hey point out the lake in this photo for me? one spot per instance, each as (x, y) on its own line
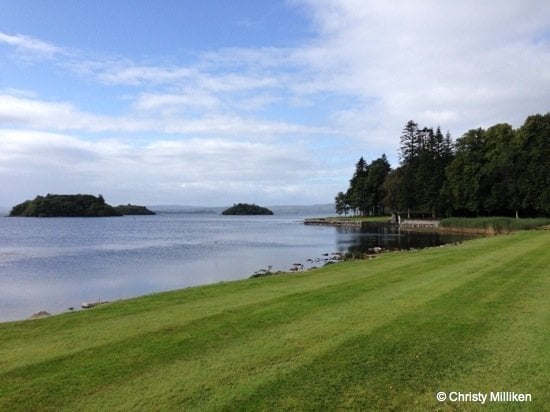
(54, 264)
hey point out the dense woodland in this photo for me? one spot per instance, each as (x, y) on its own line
(498, 171)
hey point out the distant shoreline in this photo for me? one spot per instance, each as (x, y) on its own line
(479, 225)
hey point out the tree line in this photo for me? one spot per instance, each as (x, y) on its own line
(497, 171)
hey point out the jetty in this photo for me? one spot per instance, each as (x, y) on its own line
(419, 224)
(333, 221)
(406, 224)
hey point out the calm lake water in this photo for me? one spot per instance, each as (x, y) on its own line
(54, 264)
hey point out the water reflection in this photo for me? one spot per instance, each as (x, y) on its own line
(390, 237)
(54, 264)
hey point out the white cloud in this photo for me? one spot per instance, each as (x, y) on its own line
(59, 116)
(173, 101)
(227, 116)
(235, 82)
(27, 44)
(63, 116)
(21, 110)
(127, 73)
(457, 64)
(215, 170)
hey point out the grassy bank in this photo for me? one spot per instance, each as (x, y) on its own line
(492, 225)
(380, 334)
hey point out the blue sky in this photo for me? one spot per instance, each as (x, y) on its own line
(216, 102)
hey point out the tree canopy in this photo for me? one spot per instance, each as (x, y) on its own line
(366, 191)
(65, 206)
(498, 171)
(246, 209)
(133, 210)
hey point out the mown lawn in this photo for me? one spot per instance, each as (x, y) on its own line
(388, 333)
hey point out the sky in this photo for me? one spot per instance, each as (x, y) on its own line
(216, 102)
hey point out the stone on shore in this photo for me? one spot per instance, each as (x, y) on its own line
(41, 314)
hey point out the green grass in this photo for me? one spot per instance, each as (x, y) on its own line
(494, 224)
(384, 334)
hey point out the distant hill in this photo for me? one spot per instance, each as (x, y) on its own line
(65, 206)
(303, 210)
(247, 209)
(185, 209)
(306, 210)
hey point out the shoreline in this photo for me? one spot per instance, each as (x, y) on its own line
(360, 222)
(326, 259)
(301, 339)
(420, 225)
(303, 265)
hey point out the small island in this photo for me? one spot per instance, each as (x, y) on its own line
(74, 206)
(65, 206)
(247, 209)
(134, 210)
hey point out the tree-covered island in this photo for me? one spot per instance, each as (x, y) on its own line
(73, 206)
(134, 210)
(247, 209)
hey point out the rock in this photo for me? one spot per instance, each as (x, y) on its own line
(89, 305)
(41, 314)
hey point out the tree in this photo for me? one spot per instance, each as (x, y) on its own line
(487, 172)
(341, 203)
(500, 171)
(392, 188)
(464, 174)
(424, 170)
(374, 185)
(534, 162)
(410, 143)
(355, 194)
(366, 192)
(424, 156)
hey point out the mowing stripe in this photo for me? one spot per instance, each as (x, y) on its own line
(385, 333)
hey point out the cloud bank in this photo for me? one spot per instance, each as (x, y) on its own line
(273, 124)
